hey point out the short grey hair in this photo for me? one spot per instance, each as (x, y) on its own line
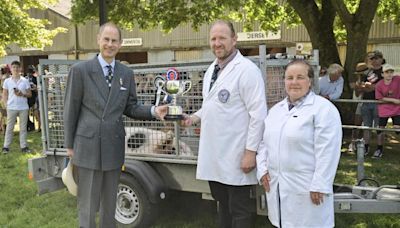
(112, 25)
(335, 68)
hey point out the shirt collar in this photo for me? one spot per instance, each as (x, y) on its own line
(223, 64)
(299, 102)
(103, 63)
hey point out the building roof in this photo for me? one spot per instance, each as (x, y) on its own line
(63, 7)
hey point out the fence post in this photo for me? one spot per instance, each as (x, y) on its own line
(360, 159)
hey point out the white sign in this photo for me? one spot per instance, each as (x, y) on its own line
(303, 48)
(32, 49)
(260, 35)
(132, 42)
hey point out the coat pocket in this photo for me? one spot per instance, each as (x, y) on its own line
(85, 132)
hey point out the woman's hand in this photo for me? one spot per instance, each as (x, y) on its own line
(265, 181)
(317, 197)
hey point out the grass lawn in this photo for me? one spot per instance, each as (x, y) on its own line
(21, 207)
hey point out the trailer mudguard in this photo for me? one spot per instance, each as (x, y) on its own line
(148, 178)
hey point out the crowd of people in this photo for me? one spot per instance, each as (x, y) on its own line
(18, 97)
(375, 80)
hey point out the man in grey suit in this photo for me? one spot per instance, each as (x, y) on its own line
(98, 92)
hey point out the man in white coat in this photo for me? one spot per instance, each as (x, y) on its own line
(299, 154)
(232, 123)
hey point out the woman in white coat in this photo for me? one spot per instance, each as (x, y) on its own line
(299, 155)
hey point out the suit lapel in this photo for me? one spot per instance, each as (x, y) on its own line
(97, 76)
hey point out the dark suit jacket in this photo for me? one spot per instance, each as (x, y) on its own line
(93, 124)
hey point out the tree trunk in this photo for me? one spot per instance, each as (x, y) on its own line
(319, 25)
(357, 41)
(357, 26)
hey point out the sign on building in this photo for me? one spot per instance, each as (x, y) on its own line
(132, 42)
(259, 35)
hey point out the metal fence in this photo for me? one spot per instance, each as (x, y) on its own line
(148, 139)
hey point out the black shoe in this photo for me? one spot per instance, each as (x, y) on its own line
(26, 150)
(378, 154)
(5, 150)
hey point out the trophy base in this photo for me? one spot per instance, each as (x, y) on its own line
(173, 117)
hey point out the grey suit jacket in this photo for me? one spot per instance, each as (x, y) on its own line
(93, 124)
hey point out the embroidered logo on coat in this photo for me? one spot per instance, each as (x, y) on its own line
(223, 95)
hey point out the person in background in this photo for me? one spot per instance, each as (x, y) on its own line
(388, 90)
(16, 90)
(322, 71)
(4, 74)
(369, 111)
(331, 85)
(232, 121)
(298, 157)
(32, 101)
(355, 133)
(99, 91)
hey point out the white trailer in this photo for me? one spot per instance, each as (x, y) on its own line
(161, 156)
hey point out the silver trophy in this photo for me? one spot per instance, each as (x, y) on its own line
(172, 88)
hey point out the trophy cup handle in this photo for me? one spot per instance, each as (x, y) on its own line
(159, 83)
(188, 84)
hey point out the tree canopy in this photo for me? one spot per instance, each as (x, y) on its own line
(327, 21)
(16, 25)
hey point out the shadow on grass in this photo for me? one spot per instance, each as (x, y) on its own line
(20, 206)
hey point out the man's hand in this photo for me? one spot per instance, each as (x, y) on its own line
(70, 152)
(317, 197)
(161, 111)
(265, 181)
(18, 93)
(33, 87)
(186, 121)
(248, 162)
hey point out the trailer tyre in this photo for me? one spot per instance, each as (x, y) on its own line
(133, 206)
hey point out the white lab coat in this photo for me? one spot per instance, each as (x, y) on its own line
(301, 151)
(228, 128)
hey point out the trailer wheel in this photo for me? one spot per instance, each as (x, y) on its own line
(133, 206)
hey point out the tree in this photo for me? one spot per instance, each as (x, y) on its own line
(327, 21)
(16, 26)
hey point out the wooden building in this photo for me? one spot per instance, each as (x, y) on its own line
(183, 43)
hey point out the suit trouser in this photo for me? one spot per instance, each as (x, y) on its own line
(96, 189)
(11, 119)
(236, 207)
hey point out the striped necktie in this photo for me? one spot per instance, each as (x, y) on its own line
(214, 75)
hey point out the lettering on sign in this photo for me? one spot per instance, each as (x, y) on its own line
(260, 35)
(32, 49)
(132, 42)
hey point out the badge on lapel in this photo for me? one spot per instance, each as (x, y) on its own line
(223, 95)
(121, 84)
